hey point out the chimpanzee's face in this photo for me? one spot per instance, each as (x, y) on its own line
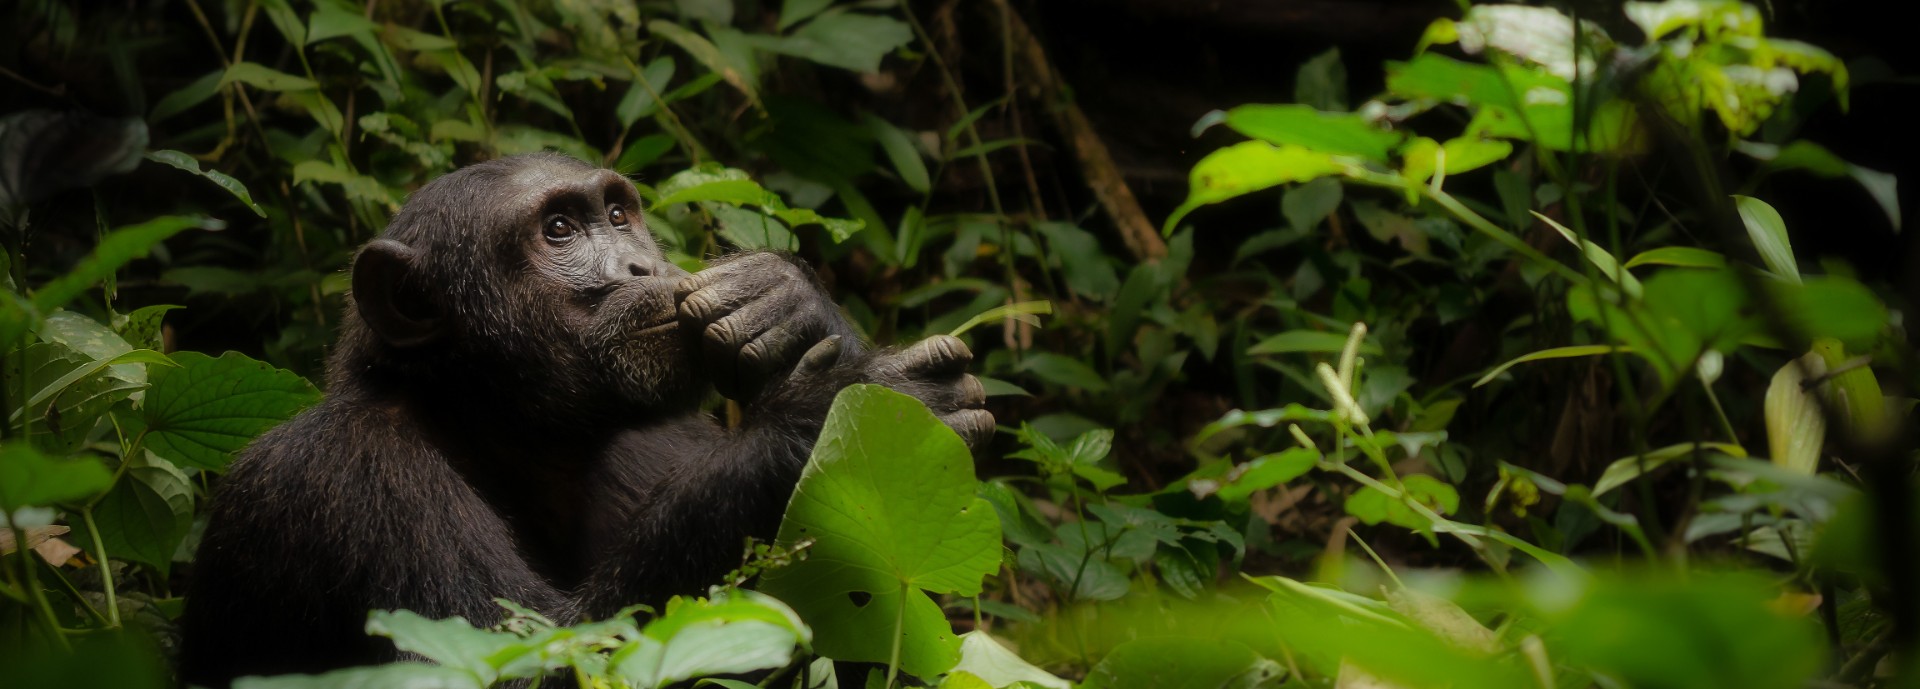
(541, 269)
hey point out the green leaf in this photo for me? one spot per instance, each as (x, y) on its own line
(898, 146)
(1301, 125)
(452, 642)
(1681, 256)
(1769, 235)
(751, 229)
(1265, 471)
(1707, 630)
(1023, 311)
(643, 152)
(262, 77)
(1064, 371)
(1318, 341)
(1599, 257)
(847, 40)
(1247, 167)
(708, 55)
(188, 96)
(982, 656)
(1544, 354)
(1627, 469)
(204, 411)
(1306, 205)
(796, 11)
(888, 498)
(115, 250)
(220, 179)
(1814, 158)
(1321, 82)
(640, 101)
(1796, 429)
(401, 675)
(142, 327)
(714, 183)
(1373, 506)
(31, 479)
(739, 633)
(333, 22)
(1832, 306)
(146, 514)
(1174, 663)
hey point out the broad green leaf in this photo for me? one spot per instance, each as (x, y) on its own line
(188, 96)
(1626, 469)
(220, 179)
(740, 633)
(1706, 630)
(1544, 354)
(643, 151)
(146, 514)
(796, 11)
(1683, 314)
(401, 675)
(750, 229)
(1814, 158)
(1681, 256)
(1301, 125)
(1064, 371)
(1306, 205)
(1176, 663)
(265, 78)
(142, 327)
(452, 642)
(1247, 167)
(31, 479)
(714, 183)
(1795, 427)
(71, 394)
(1089, 270)
(888, 498)
(1073, 573)
(848, 40)
(1855, 391)
(640, 100)
(1423, 157)
(1321, 82)
(281, 14)
(333, 22)
(1832, 306)
(1373, 506)
(92, 340)
(1261, 473)
(1769, 235)
(707, 54)
(115, 250)
(982, 656)
(202, 412)
(898, 146)
(1599, 257)
(1318, 341)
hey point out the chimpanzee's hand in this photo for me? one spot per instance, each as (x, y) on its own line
(756, 315)
(933, 371)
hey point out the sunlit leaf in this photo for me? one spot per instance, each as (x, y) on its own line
(1796, 428)
(1248, 167)
(1323, 132)
(888, 500)
(1769, 235)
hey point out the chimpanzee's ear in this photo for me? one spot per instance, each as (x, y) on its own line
(388, 301)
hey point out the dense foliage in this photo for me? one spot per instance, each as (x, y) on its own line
(1525, 383)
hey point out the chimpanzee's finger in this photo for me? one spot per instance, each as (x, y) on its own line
(820, 358)
(937, 356)
(974, 426)
(772, 352)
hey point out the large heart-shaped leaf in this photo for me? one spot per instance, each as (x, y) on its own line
(204, 411)
(888, 500)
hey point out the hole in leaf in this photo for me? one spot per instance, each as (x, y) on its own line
(860, 598)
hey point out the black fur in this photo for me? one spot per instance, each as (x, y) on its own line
(515, 415)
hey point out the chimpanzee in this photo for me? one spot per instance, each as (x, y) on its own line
(514, 411)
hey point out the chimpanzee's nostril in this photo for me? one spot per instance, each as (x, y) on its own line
(638, 270)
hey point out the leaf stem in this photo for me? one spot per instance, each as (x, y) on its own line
(899, 621)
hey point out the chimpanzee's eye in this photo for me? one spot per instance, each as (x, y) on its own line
(559, 227)
(617, 216)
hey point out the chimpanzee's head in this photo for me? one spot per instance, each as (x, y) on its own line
(531, 281)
